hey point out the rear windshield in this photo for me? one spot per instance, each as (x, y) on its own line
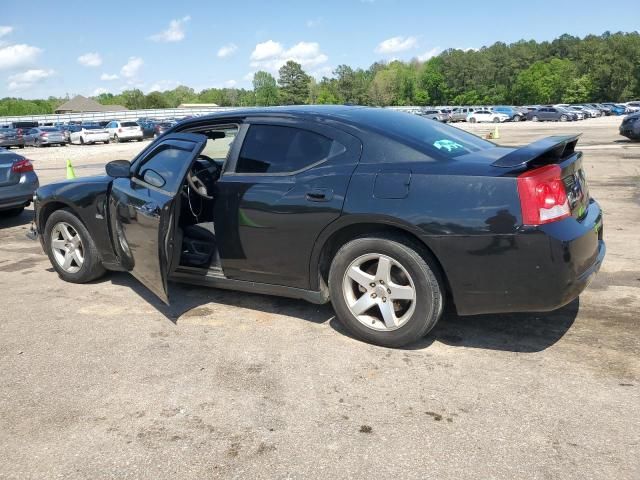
(130, 124)
(436, 139)
(49, 129)
(92, 127)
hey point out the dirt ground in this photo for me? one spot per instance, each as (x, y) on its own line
(102, 381)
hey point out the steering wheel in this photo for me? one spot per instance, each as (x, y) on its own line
(197, 178)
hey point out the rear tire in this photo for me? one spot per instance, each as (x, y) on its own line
(116, 139)
(563, 118)
(472, 120)
(379, 310)
(90, 267)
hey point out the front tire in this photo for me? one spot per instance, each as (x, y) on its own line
(472, 120)
(384, 291)
(534, 118)
(70, 248)
(116, 139)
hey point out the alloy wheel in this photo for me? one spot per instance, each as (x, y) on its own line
(67, 247)
(379, 292)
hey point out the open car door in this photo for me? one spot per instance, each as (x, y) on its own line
(142, 211)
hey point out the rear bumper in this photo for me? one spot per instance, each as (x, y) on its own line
(539, 269)
(19, 194)
(128, 135)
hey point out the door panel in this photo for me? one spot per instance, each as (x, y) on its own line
(143, 217)
(267, 224)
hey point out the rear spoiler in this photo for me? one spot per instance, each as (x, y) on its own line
(547, 150)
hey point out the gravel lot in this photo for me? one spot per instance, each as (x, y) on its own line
(103, 381)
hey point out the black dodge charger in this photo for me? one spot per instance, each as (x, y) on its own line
(387, 215)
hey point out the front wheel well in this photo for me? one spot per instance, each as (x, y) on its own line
(47, 210)
(348, 233)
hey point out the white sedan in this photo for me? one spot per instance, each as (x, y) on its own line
(487, 116)
(88, 134)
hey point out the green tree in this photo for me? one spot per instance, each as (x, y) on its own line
(294, 84)
(265, 88)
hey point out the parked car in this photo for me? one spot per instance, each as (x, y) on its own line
(44, 137)
(616, 109)
(580, 114)
(515, 115)
(633, 107)
(162, 127)
(88, 134)
(589, 110)
(438, 115)
(459, 114)
(124, 131)
(630, 126)
(11, 137)
(551, 114)
(487, 116)
(337, 203)
(148, 128)
(18, 182)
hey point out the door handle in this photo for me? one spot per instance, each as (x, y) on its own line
(320, 195)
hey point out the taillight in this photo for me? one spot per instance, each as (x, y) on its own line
(44, 134)
(22, 166)
(543, 197)
(119, 130)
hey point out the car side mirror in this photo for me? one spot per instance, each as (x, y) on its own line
(118, 169)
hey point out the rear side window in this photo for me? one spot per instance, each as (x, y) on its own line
(276, 149)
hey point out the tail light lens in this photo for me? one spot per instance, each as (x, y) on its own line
(22, 166)
(543, 197)
(119, 130)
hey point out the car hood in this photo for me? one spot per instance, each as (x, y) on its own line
(72, 187)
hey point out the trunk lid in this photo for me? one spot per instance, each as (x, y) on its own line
(7, 176)
(560, 150)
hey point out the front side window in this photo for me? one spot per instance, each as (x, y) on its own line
(164, 165)
(276, 149)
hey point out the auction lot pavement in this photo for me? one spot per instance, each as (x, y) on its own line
(102, 381)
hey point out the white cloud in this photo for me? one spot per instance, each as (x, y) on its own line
(314, 22)
(470, 49)
(16, 56)
(175, 32)
(266, 50)
(230, 83)
(249, 76)
(396, 44)
(5, 30)
(109, 76)
(227, 50)
(272, 55)
(91, 59)
(130, 69)
(429, 53)
(99, 91)
(21, 81)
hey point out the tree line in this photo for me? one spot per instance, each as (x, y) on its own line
(568, 69)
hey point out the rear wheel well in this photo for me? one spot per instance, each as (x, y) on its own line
(346, 234)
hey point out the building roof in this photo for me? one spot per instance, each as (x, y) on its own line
(83, 104)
